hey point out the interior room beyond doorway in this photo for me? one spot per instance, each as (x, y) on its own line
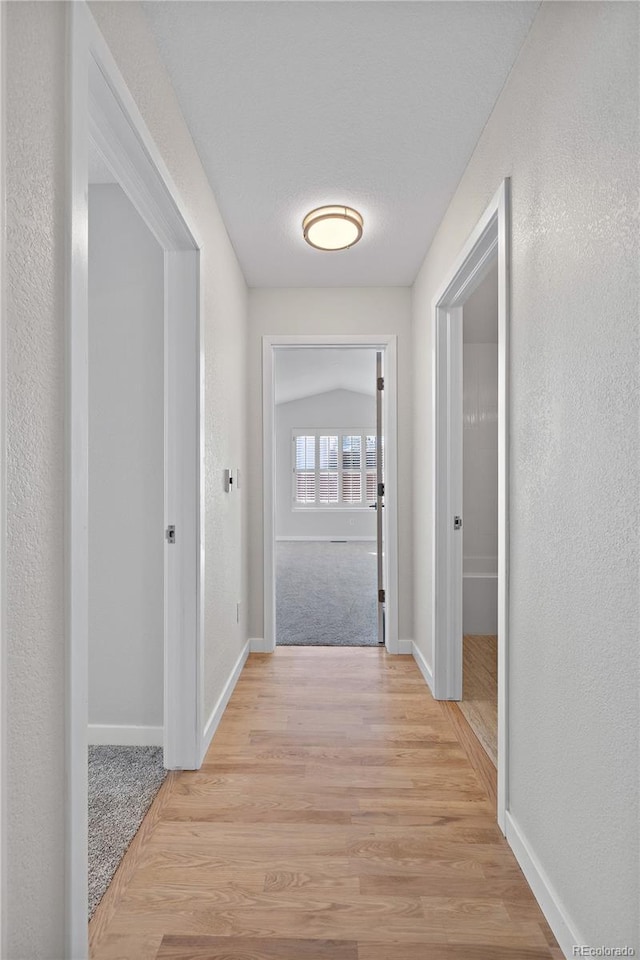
(479, 702)
(325, 517)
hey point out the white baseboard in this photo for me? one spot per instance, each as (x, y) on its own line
(216, 714)
(121, 735)
(542, 888)
(258, 645)
(423, 666)
(405, 646)
(314, 539)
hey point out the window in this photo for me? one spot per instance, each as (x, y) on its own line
(332, 468)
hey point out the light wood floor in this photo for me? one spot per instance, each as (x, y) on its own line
(479, 702)
(338, 816)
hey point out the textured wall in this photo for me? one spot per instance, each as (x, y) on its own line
(565, 129)
(318, 311)
(35, 180)
(334, 410)
(224, 299)
(126, 464)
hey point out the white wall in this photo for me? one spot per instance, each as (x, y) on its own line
(334, 410)
(340, 310)
(565, 129)
(126, 464)
(37, 62)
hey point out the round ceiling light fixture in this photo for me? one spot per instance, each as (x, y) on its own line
(332, 228)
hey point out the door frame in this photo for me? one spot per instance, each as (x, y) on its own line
(489, 241)
(101, 109)
(386, 343)
(3, 501)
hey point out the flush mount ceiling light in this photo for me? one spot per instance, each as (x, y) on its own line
(332, 228)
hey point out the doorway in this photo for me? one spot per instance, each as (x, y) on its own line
(126, 513)
(479, 703)
(327, 547)
(325, 509)
(485, 253)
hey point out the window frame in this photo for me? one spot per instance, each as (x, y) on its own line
(341, 505)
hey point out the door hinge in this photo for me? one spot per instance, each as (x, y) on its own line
(380, 383)
(381, 489)
(457, 523)
(381, 596)
(170, 534)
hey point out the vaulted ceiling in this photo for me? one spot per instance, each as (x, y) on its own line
(375, 104)
(301, 372)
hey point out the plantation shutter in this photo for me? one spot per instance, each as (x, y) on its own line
(351, 469)
(328, 477)
(305, 469)
(334, 469)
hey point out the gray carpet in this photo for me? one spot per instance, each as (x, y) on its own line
(122, 783)
(326, 593)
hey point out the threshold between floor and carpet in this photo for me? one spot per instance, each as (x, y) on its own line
(122, 784)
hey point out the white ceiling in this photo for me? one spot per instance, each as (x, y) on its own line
(301, 372)
(374, 104)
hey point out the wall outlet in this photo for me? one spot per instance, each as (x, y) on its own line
(237, 613)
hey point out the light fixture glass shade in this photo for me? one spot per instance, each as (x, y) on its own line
(332, 228)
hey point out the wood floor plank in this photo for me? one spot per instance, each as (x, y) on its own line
(100, 922)
(244, 948)
(440, 951)
(479, 759)
(341, 813)
(479, 702)
(127, 946)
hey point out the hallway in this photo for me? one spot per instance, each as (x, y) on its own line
(336, 816)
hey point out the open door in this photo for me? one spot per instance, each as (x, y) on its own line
(380, 498)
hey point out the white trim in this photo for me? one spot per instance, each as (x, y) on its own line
(318, 539)
(543, 890)
(330, 508)
(155, 188)
(116, 734)
(489, 241)
(405, 646)
(3, 496)
(258, 645)
(387, 343)
(101, 108)
(216, 714)
(423, 666)
(332, 431)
